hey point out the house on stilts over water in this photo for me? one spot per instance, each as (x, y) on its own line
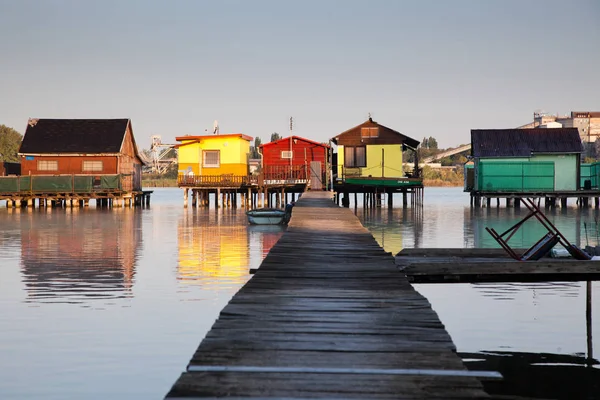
(68, 162)
(369, 161)
(529, 163)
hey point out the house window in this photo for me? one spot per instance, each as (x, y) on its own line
(355, 157)
(211, 158)
(92, 166)
(287, 154)
(369, 132)
(47, 165)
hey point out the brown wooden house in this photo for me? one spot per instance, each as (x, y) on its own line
(82, 147)
(372, 150)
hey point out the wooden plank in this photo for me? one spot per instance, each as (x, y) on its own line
(327, 298)
(473, 267)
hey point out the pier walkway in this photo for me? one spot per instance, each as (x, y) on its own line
(328, 315)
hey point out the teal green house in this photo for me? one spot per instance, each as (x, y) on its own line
(539, 160)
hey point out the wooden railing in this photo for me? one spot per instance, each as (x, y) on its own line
(285, 173)
(226, 180)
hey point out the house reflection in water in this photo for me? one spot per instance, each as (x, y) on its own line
(212, 247)
(80, 255)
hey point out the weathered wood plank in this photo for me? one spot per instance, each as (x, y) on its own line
(472, 266)
(326, 297)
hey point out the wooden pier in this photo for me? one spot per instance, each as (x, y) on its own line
(328, 315)
(489, 265)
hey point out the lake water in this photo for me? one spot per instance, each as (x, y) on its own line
(103, 304)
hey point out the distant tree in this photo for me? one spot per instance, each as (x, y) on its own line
(425, 143)
(10, 141)
(254, 153)
(432, 143)
(275, 137)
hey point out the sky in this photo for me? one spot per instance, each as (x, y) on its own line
(424, 68)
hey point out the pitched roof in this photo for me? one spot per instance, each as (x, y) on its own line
(386, 136)
(218, 136)
(44, 136)
(295, 137)
(524, 142)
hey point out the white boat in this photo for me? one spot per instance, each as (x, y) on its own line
(267, 216)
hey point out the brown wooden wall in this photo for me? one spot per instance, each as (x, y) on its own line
(68, 165)
(353, 136)
(130, 164)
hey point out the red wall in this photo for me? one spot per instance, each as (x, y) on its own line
(314, 152)
(68, 165)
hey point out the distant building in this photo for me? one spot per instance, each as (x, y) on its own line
(586, 122)
(82, 147)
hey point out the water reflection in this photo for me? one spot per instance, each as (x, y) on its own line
(393, 229)
(75, 256)
(218, 244)
(265, 236)
(509, 291)
(580, 226)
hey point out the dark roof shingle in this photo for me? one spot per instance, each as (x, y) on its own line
(524, 142)
(74, 136)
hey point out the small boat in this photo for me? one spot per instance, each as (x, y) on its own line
(267, 216)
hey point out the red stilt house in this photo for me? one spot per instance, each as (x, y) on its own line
(295, 160)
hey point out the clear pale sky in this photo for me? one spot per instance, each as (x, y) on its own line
(424, 68)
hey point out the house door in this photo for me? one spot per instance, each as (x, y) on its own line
(316, 178)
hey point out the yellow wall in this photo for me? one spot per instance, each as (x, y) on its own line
(392, 162)
(340, 159)
(233, 155)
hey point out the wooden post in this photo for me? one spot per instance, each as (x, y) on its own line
(185, 197)
(404, 202)
(588, 322)
(217, 198)
(194, 198)
(355, 200)
(390, 199)
(249, 203)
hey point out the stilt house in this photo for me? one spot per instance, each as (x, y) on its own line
(525, 160)
(295, 159)
(97, 147)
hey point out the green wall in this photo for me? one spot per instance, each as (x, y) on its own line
(565, 171)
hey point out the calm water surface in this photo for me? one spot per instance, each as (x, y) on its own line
(112, 304)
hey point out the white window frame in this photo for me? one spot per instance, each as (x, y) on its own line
(287, 154)
(205, 152)
(92, 166)
(47, 165)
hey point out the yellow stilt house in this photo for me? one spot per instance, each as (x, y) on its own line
(213, 155)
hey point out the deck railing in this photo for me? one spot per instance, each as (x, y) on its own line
(285, 173)
(61, 183)
(225, 180)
